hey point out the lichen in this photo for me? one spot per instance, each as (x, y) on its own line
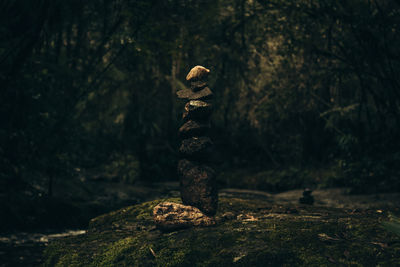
(259, 234)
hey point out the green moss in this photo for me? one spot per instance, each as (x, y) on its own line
(261, 234)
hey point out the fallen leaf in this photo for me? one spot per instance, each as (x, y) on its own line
(247, 218)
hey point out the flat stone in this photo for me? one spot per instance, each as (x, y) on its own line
(203, 94)
(196, 147)
(171, 216)
(198, 186)
(197, 85)
(197, 110)
(184, 94)
(193, 128)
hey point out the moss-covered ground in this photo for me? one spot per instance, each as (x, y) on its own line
(249, 232)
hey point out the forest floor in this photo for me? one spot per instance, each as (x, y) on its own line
(96, 197)
(253, 229)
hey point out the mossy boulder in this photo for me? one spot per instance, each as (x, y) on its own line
(249, 232)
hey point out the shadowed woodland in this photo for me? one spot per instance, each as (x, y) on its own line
(307, 93)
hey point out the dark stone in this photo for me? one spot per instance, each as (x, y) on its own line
(184, 94)
(204, 94)
(197, 85)
(307, 197)
(198, 186)
(193, 128)
(172, 216)
(197, 110)
(307, 192)
(196, 147)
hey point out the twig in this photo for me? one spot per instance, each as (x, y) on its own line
(152, 252)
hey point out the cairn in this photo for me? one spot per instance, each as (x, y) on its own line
(307, 198)
(197, 179)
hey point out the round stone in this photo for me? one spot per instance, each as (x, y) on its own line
(193, 128)
(197, 110)
(196, 147)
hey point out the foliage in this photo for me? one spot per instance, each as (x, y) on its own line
(299, 83)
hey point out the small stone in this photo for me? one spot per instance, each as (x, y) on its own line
(307, 192)
(197, 85)
(196, 147)
(203, 94)
(198, 186)
(193, 128)
(195, 104)
(172, 216)
(197, 73)
(307, 197)
(197, 110)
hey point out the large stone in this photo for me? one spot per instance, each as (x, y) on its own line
(198, 186)
(197, 110)
(196, 147)
(193, 128)
(171, 216)
(203, 94)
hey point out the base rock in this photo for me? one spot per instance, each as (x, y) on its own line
(198, 186)
(170, 216)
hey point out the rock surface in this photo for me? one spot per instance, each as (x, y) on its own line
(203, 94)
(197, 73)
(198, 187)
(170, 216)
(249, 232)
(197, 85)
(197, 110)
(196, 147)
(193, 128)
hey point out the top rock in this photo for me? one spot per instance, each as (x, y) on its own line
(197, 73)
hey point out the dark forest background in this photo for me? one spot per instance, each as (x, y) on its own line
(306, 92)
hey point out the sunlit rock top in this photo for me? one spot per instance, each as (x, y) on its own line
(197, 73)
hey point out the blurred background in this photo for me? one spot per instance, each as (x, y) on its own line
(307, 94)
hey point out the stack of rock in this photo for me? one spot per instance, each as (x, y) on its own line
(307, 197)
(197, 178)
